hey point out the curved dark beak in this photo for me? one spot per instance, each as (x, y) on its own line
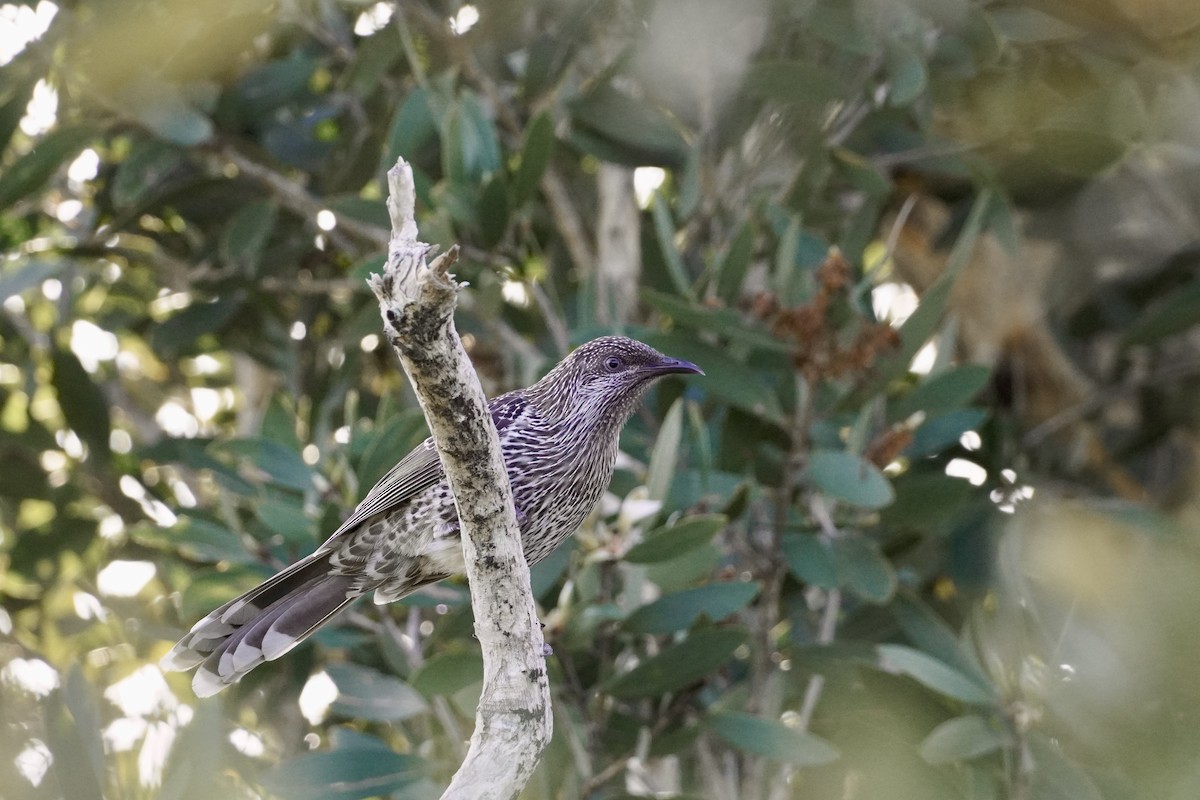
(670, 366)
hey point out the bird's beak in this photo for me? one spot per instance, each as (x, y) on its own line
(670, 366)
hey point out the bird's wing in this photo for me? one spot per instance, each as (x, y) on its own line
(422, 468)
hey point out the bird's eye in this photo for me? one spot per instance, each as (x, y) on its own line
(612, 364)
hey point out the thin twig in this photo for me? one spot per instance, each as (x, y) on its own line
(826, 633)
(292, 195)
(1104, 397)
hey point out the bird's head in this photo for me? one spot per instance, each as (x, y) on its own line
(604, 379)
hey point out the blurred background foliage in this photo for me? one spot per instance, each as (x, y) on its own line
(927, 529)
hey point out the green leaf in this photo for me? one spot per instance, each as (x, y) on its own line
(1056, 777)
(946, 391)
(360, 209)
(960, 739)
(412, 128)
(31, 171)
(794, 83)
(269, 86)
(470, 151)
(143, 170)
(535, 156)
(15, 94)
(82, 703)
(731, 269)
(772, 739)
(343, 775)
(1179, 311)
(374, 56)
(840, 25)
(664, 229)
(615, 127)
(246, 237)
(670, 541)
(388, 443)
(665, 454)
(281, 466)
(684, 569)
(863, 175)
(811, 560)
(933, 674)
(943, 431)
(906, 70)
(196, 540)
(863, 569)
(544, 575)
(162, 108)
(176, 335)
(727, 377)
(924, 322)
(679, 665)
(930, 634)
(367, 694)
(285, 516)
(849, 478)
(913, 509)
(82, 402)
(72, 745)
(725, 322)
(676, 612)
(197, 754)
(493, 210)
(447, 673)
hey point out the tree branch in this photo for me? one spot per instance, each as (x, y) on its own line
(417, 301)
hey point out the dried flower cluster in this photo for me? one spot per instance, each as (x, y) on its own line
(824, 348)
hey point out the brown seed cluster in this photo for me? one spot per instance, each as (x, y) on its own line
(822, 349)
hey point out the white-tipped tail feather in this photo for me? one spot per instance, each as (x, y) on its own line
(262, 624)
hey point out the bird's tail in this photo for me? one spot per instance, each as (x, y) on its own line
(262, 624)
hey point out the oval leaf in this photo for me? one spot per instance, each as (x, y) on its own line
(82, 402)
(944, 431)
(933, 674)
(811, 560)
(679, 665)
(863, 569)
(671, 541)
(772, 739)
(281, 466)
(675, 612)
(615, 127)
(447, 673)
(535, 155)
(343, 775)
(665, 453)
(33, 169)
(946, 391)
(959, 739)
(364, 693)
(849, 478)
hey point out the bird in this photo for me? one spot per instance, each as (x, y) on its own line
(559, 438)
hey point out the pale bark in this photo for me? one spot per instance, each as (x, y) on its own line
(417, 301)
(618, 246)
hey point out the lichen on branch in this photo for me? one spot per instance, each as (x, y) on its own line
(417, 298)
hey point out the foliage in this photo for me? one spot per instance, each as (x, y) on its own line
(793, 589)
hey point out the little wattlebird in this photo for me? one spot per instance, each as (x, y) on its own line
(559, 440)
